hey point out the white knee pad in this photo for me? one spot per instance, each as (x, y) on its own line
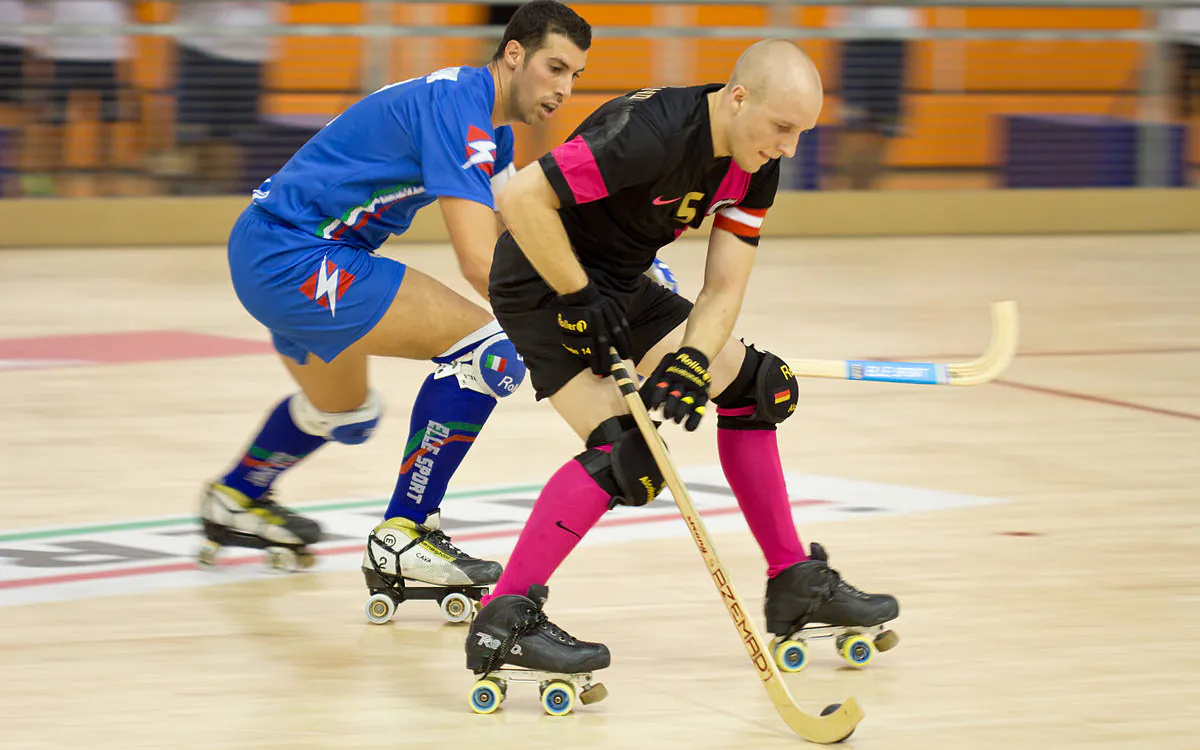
(485, 362)
(348, 427)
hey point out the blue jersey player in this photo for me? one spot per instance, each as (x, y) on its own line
(303, 262)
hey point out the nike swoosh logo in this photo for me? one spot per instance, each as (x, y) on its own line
(660, 202)
(559, 524)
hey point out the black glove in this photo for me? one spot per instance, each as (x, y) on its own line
(590, 323)
(680, 383)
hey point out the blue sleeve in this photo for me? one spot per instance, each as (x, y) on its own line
(458, 150)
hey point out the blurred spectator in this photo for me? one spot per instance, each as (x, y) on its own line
(13, 97)
(873, 65)
(88, 99)
(220, 86)
(1182, 27)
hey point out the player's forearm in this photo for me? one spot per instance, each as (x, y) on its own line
(711, 322)
(530, 209)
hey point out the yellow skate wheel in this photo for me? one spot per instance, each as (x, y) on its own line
(593, 694)
(887, 640)
(558, 698)
(857, 650)
(281, 559)
(208, 554)
(456, 607)
(305, 560)
(380, 609)
(791, 656)
(485, 697)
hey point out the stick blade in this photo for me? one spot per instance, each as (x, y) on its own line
(824, 730)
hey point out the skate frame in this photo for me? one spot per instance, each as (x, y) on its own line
(983, 369)
(826, 729)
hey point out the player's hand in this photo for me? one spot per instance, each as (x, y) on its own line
(680, 384)
(590, 323)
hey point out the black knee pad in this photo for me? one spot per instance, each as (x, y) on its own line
(765, 383)
(628, 471)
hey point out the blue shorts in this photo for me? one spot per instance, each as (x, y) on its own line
(315, 296)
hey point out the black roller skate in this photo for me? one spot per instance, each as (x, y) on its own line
(512, 640)
(812, 592)
(401, 552)
(233, 520)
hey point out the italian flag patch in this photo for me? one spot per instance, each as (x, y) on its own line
(495, 363)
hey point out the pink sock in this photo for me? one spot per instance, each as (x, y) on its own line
(570, 504)
(750, 459)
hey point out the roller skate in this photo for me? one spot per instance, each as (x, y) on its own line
(401, 552)
(512, 640)
(232, 519)
(812, 592)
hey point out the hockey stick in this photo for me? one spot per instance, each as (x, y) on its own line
(834, 726)
(985, 368)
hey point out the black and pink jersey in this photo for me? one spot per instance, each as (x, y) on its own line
(634, 176)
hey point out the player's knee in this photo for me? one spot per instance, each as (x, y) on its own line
(620, 461)
(763, 394)
(348, 427)
(485, 362)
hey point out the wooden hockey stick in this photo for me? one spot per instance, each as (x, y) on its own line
(983, 369)
(826, 729)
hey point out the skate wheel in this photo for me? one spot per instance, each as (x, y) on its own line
(380, 609)
(593, 694)
(558, 698)
(456, 607)
(831, 708)
(282, 559)
(791, 656)
(305, 560)
(208, 554)
(485, 697)
(887, 640)
(857, 650)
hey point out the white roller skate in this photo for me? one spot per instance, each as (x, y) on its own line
(401, 552)
(233, 520)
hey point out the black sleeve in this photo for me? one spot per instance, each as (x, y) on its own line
(619, 151)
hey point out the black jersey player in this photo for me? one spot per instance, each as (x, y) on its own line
(586, 221)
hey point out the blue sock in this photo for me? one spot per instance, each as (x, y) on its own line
(445, 421)
(280, 445)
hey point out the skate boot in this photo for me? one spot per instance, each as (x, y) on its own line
(233, 520)
(812, 592)
(400, 552)
(512, 640)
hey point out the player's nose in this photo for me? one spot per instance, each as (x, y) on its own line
(788, 147)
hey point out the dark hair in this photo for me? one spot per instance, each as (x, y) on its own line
(536, 20)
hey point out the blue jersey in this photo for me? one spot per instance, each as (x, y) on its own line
(365, 174)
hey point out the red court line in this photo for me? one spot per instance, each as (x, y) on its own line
(1050, 353)
(1100, 400)
(129, 346)
(178, 567)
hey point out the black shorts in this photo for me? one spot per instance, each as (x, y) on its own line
(873, 84)
(531, 321)
(12, 77)
(99, 76)
(217, 98)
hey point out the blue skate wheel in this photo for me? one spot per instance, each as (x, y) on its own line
(485, 697)
(791, 656)
(858, 650)
(558, 698)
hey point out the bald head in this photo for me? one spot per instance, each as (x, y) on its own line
(777, 67)
(772, 97)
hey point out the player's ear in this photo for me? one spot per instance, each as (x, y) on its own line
(737, 96)
(514, 54)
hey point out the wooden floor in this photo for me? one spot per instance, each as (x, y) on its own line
(1058, 618)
